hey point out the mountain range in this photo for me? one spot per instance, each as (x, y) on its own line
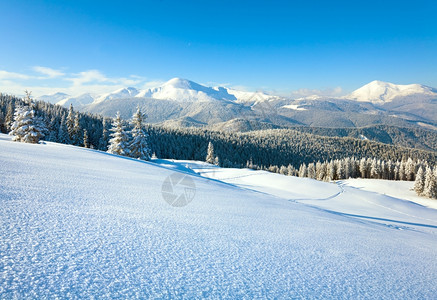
(183, 103)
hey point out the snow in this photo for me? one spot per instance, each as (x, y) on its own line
(380, 92)
(128, 92)
(398, 189)
(78, 101)
(81, 223)
(294, 107)
(177, 89)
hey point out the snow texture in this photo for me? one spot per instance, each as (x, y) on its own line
(79, 223)
(380, 92)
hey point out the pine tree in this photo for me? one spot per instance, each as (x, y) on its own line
(419, 184)
(9, 117)
(311, 171)
(210, 154)
(402, 175)
(340, 170)
(320, 171)
(53, 130)
(139, 146)
(430, 186)
(86, 143)
(77, 137)
(332, 171)
(70, 124)
(63, 136)
(291, 170)
(119, 142)
(396, 173)
(363, 168)
(2, 122)
(26, 126)
(409, 169)
(103, 141)
(303, 170)
(374, 169)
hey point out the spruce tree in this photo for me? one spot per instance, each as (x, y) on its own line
(419, 184)
(86, 143)
(430, 186)
(303, 170)
(70, 124)
(9, 117)
(26, 127)
(77, 137)
(139, 146)
(103, 141)
(119, 142)
(409, 169)
(311, 171)
(374, 169)
(63, 136)
(210, 154)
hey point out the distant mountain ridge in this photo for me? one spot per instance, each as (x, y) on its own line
(380, 92)
(184, 103)
(183, 90)
(176, 89)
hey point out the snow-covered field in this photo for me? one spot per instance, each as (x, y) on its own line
(79, 223)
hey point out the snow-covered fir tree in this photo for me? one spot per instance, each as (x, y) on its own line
(70, 124)
(103, 141)
(86, 143)
(410, 169)
(139, 145)
(210, 154)
(374, 169)
(419, 183)
(77, 137)
(63, 136)
(303, 170)
(311, 171)
(118, 144)
(430, 186)
(27, 127)
(9, 118)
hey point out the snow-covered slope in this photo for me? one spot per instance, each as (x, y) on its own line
(78, 101)
(53, 98)
(381, 92)
(128, 92)
(183, 90)
(80, 223)
(250, 98)
(176, 89)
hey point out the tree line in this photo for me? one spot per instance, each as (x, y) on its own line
(274, 150)
(419, 171)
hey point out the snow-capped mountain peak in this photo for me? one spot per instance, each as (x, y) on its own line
(128, 92)
(381, 92)
(183, 90)
(176, 89)
(53, 98)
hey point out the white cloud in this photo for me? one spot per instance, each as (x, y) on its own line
(87, 77)
(49, 72)
(328, 92)
(5, 75)
(44, 80)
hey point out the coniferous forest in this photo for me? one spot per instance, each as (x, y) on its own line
(285, 151)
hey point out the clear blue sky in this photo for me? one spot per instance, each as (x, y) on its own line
(271, 45)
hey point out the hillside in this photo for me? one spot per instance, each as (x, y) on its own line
(400, 136)
(81, 223)
(178, 100)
